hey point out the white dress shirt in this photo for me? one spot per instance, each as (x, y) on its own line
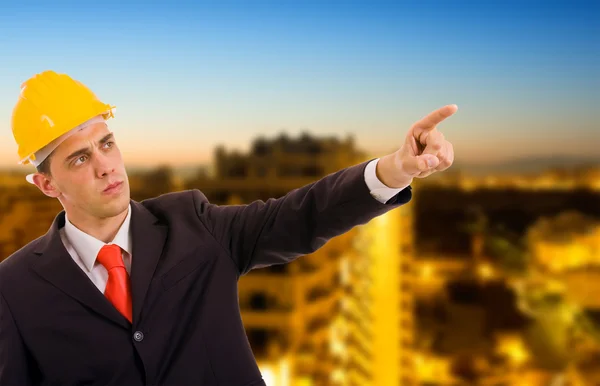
(84, 248)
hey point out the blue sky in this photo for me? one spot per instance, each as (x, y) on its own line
(187, 77)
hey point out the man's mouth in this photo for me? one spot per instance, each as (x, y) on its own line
(113, 187)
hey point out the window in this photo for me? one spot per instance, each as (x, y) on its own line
(259, 301)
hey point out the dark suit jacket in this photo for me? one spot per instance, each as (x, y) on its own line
(56, 328)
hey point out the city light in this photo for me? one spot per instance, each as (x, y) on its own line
(514, 348)
(276, 374)
(485, 271)
(268, 375)
(427, 272)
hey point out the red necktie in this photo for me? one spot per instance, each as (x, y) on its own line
(117, 290)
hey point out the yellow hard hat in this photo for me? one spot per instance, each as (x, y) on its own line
(50, 105)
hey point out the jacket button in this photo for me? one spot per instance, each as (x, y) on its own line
(138, 336)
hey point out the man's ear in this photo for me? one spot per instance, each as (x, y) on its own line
(45, 185)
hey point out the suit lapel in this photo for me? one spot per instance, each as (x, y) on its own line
(148, 241)
(57, 267)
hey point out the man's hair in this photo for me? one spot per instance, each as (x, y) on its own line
(44, 167)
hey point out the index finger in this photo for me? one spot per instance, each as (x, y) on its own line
(434, 118)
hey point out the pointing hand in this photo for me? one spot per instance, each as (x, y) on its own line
(424, 152)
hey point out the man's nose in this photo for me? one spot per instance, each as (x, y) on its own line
(104, 165)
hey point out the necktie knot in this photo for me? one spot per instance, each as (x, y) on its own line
(110, 257)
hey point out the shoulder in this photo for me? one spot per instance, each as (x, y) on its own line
(16, 264)
(174, 200)
(185, 202)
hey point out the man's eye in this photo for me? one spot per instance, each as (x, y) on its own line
(80, 160)
(109, 144)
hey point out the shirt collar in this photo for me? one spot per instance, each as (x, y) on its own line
(88, 247)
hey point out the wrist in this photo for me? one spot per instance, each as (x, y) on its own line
(390, 173)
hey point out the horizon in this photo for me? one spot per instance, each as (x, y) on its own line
(517, 165)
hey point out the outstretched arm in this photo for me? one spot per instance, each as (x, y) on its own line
(279, 230)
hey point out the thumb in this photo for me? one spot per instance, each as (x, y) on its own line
(421, 163)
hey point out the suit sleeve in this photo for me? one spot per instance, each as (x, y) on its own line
(279, 230)
(15, 362)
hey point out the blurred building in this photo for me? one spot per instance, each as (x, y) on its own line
(433, 273)
(568, 240)
(153, 182)
(561, 293)
(342, 315)
(566, 249)
(10, 179)
(273, 168)
(509, 213)
(26, 213)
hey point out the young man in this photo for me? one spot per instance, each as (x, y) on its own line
(120, 292)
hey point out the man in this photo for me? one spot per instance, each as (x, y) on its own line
(120, 292)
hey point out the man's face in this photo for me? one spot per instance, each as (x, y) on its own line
(88, 175)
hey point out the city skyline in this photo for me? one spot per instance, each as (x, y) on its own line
(188, 79)
(468, 275)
